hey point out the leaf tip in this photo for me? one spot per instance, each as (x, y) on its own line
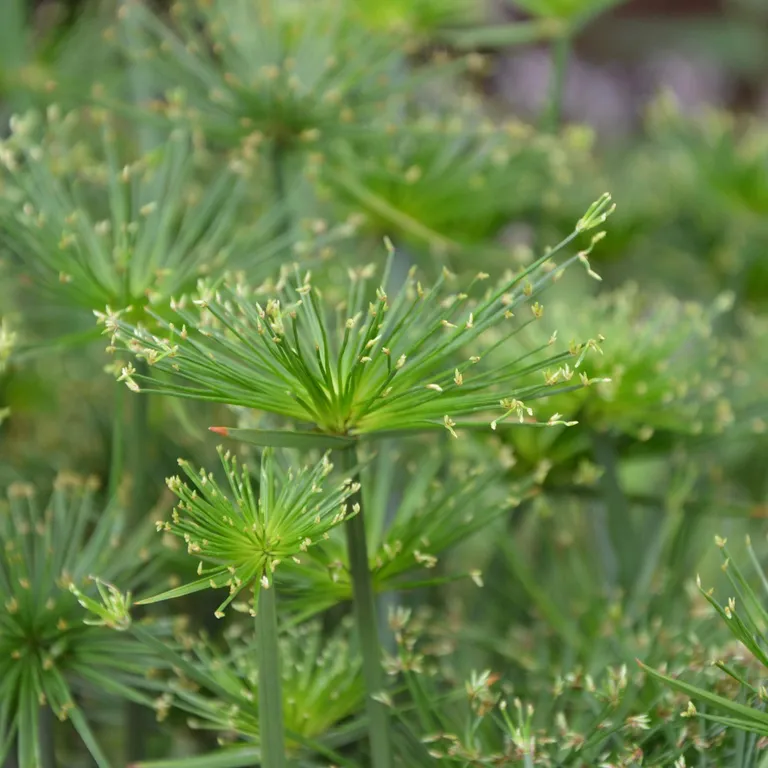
(220, 430)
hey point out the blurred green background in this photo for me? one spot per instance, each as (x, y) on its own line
(477, 135)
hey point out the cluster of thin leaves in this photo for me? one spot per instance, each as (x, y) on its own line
(440, 504)
(217, 687)
(53, 654)
(373, 364)
(478, 720)
(96, 225)
(664, 367)
(242, 535)
(448, 181)
(746, 617)
(244, 72)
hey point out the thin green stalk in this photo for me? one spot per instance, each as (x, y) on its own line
(117, 451)
(614, 533)
(279, 173)
(367, 624)
(137, 721)
(271, 726)
(47, 744)
(560, 50)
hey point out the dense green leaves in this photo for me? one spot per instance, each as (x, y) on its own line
(241, 535)
(419, 360)
(50, 650)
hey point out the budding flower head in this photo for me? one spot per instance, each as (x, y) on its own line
(395, 359)
(62, 626)
(106, 215)
(240, 537)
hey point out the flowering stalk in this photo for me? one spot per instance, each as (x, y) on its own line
(367, 624)
(242, 538)
(270, 680)
(560, 52)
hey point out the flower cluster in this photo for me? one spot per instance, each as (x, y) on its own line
(322, 682)
(418, 360)
(51, 653)
(239, 536)
(120, 227)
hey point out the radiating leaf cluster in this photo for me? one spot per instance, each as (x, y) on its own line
(240, 535)
(745, 615)
(322, 683)
(439, 505)
(50, 653)
(664, 366)
(245, 72)
(422, 359)
(97, 223)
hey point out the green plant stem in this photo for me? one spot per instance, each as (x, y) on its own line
(561, 50)
(280, 182)
(614, 535)
(117, 450)
(367, 624)
(271, 727)
(47, 744)
(137, 722)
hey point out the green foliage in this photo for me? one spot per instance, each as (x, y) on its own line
(106, 230)
(375, 364)
(53, 655)
(439, 505)
(746, 617)
(244, 538)
(247, 72)
(161, 160)
(322, 683)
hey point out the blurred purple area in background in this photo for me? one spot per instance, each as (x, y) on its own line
(706, 53)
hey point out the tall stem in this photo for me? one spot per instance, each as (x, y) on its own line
(279, 179)
(137, 720)
(367, 624)
(616, 525)
(117, 449)
(561, 49)
(47, 745)
(270, 683)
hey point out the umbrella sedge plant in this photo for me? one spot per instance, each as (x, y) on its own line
(55, 659)
(292, 77)
(98, 222)
(439, 504)
(369, 367)
(217, 685)
(241, 537)
(744, 614)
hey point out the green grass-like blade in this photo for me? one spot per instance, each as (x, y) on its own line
(757, 720)
(225, 758)
(284, 439)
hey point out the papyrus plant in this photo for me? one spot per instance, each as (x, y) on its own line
(240, 536)
(376, 365)
(438, 504)
(217, 686)
(293, 76)
(55, 659)
(99, 221)
(415, 360)
(744, 614)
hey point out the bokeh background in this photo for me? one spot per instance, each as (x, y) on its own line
(497, 125)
